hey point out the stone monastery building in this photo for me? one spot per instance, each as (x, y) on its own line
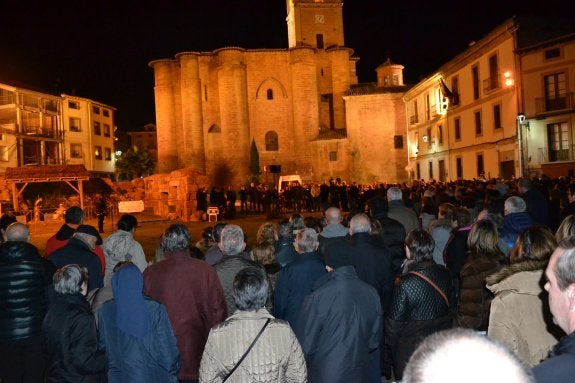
(301, 107)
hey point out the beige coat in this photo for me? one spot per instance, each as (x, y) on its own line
(276, 356)
(517, 316)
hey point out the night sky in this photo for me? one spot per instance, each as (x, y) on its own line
(100, 49)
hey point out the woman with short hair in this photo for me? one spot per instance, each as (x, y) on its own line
(70, 335)
(272, 351)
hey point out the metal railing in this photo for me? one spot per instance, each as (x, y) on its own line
(546, 105)
(547, 154)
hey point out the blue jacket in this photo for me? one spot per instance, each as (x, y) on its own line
(154, 358)
(560, 366)
(294, 283)
(339, 325)
(513, 225)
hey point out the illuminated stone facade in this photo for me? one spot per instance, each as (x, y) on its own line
(301, 106)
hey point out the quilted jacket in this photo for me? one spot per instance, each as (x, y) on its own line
(275, 357)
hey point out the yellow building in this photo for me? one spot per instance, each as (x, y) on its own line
(462, 119)
(30, 127)
(547, 115)
(146, 139)
(88, 135)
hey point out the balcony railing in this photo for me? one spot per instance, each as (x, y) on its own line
(547, 154)
(546, 105)
(413, 119)
(490, 84)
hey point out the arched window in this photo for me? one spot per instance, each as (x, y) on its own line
(270, 94)
(272, 141)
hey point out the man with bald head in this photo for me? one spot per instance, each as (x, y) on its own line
(25, 279)
(333, 231)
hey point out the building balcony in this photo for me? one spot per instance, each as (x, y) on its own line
(544, 105)
(491, 84)
(413, 120)
(547, 154)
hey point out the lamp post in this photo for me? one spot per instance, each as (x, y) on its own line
(520, 123)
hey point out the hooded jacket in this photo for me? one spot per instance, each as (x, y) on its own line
(121, 246)
(518, 313)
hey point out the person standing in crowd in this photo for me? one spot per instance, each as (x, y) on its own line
(483, 259)
(296, 279)
(234, 259)
(559, 367)
(25, 279)
(340, 325)
(516, 219)
(398, 211)
(537, 202)
(190, 291)
(79, 250)
(441, 230)
(461, 355)
(101, 212)
(333, 231)
(284, 247)
(121, 246)
(201, 202)
(136, 334)
(73, 218)
(70, 335)
(214, 254)
(421, 301)
(276, 354)
(518, 316)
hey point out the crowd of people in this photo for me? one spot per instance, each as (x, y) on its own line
(420, 283)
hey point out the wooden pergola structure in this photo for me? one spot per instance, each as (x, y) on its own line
(25, 175)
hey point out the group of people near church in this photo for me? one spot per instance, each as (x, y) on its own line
(466, 278)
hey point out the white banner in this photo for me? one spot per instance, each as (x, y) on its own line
(131, 206)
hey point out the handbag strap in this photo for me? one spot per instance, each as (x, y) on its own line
(432, 284)
(247, 351)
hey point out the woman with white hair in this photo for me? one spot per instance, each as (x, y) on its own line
(70, 336)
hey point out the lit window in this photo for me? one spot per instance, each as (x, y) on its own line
(98, 152)
(76, 150)
(74, 124)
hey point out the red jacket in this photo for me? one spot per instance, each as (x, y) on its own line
(194, 299)
(61, 238)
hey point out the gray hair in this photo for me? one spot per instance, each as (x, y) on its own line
(394, 193)
(232, 240)
(360, 223)
(69, 279)
(250, 289)
(307, 240)
(333, 215)
(17, 232)
(176, 237)
(448, 355)
(515, 204)
(565, 266)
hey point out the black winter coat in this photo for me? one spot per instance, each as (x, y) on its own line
(25, 279)
(417, 310)
(339, 325)
(394, 238)
(78, 252)
(71, 342)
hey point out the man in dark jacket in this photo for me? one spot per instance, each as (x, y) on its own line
(339, 324)
(24, 280)
(284, 246)
(70, 335)
(333, 231)
(73, 218)
(560, 366)
(79, 250)
(295, 280)
(234, 259)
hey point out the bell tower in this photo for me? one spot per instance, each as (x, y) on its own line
(315, 23)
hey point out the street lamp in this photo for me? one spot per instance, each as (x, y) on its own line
(520, 123)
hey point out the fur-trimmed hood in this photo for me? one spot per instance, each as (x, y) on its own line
(521, 277)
